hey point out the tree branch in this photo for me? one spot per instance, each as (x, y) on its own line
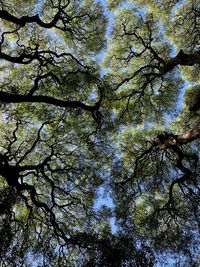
(29, 19)
(189, 136)
(181, 59)
(12, 98)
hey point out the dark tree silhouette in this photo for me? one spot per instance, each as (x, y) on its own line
(74, 124)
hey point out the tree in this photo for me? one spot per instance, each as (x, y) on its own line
(72, 124)
(153, 53)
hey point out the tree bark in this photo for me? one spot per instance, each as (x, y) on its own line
(189, 136)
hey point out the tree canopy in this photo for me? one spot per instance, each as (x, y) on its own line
(99, 96)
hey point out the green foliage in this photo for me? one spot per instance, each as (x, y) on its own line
(89, 106)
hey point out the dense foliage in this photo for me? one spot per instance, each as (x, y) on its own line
(99, 96)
